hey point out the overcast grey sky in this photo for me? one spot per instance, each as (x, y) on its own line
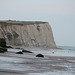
(59, 13)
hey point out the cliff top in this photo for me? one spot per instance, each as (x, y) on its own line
(21, 22)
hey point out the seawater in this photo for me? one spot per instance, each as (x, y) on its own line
(67, 47)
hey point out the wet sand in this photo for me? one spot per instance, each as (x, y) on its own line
(27, 64)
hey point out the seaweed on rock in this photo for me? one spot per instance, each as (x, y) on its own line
(19, 52)
(39, 55)
(26, 51)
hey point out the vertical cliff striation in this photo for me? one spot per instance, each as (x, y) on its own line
(28, 34)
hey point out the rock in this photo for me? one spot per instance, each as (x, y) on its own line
(4, 49)
(3, 45)
(19, 52)
(9, 47)
(1, 51)
(2, 42)
(27, 34)
(39, 55)
(18, 48)
(52, 52)
(26, 51)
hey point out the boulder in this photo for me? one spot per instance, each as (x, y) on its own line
(2, 42)
(26, 51)
(4, 49)
(1, 51)
(39, 55)
(9, 47)
(19, 52)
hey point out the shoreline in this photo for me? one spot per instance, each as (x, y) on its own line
(29, 64)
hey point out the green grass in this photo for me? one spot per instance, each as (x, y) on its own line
(22, 22)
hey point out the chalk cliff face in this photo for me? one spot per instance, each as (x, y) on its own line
(32, 35)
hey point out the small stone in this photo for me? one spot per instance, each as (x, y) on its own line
(1, 51)
(19, 52)
(39, 55)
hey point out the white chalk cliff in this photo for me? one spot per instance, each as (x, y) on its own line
(28, 35)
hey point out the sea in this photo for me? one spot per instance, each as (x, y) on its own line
(67, 47)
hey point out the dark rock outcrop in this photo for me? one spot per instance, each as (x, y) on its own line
(19, 52)
(3, 45)
(26, 51)
(40, 55)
